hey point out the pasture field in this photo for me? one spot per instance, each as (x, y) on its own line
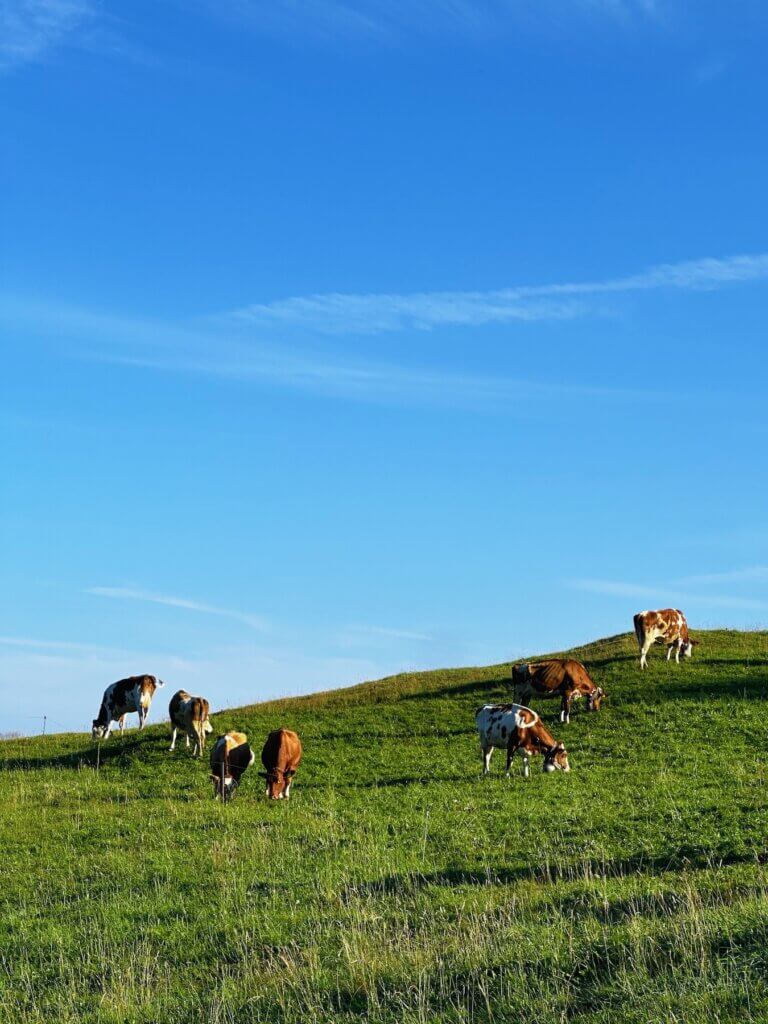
(397, 885)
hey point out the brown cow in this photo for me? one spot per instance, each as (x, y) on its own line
(565, 678)
(126, 695)
(230, 757)
(190, 714)
(667, 626)
(518, 728)
(281, 756)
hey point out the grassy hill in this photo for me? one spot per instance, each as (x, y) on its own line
(398, 886)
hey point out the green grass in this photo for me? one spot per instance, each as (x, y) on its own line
(397, 885)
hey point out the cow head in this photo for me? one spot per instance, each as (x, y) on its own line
(278, 781)
(556, 759)
(520, 674)
(224, 786)
(595, 699)
(688, 647)
(99, 731)
(207, 727)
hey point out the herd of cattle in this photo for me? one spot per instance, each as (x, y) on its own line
(507, 726)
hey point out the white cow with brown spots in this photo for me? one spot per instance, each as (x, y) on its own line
(121, 698)
(515, 727)
(667, 626)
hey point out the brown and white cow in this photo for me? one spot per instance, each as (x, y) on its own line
(558, 677)
(518, 728)
(667, 626)
(230, 757)
(190, 714)
(281, 756)
(121, 698)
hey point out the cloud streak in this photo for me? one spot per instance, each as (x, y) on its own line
(389, 20)
(217, 350)
(384, 632)
(751, 574)
(665, 595)
(345, 313)
(31, 644)
(132, 594)
(29, 28)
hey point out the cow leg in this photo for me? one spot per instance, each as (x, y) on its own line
(565, 707)
(287, 790)
(173, 738)
(122, 725)
(646, 646)
(510, 754)
(186, 737)
(487, 751)
(677, 652)
(526, 764)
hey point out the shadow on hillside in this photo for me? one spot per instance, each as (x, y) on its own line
(386, 783)
(694, 688)
(123, 752)
(547, 873)
(501, 685)
(412, 735)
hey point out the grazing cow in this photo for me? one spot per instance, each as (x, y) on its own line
(121, 698)
(558, 677)
(280, 757)
(518, 728)
(230, 757)
(190, 714)
(665, 626)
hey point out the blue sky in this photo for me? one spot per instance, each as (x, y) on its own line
(343, 337)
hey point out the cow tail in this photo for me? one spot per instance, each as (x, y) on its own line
(638, 627)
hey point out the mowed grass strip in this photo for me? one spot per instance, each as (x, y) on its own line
(398, 885)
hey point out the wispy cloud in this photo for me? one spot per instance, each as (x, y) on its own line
(365, 632)
(751, 574)
(215, 349)
(29, 643)
(665, 594)
(29, 28)
(709, 71)
(133, 594)
(386, 20)
(342, 313)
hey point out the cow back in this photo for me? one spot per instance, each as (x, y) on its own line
(549, 677)
(176, 706)
(233, 751)
(281, 750)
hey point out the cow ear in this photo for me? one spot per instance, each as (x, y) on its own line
(289, 773)
(561, 745)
